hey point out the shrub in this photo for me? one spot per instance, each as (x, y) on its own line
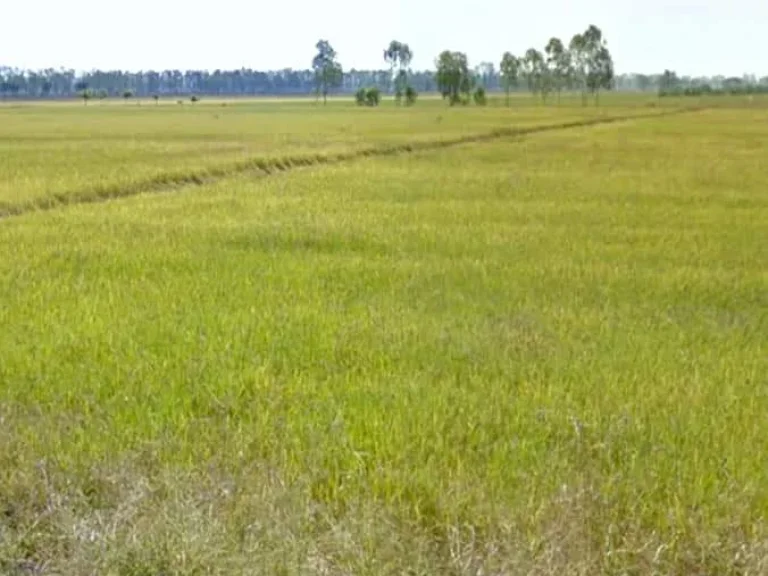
(479, 96)
(368, 96)
(372, 96)
(410, 95)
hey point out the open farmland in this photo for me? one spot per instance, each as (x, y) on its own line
(540, 353)
(59, 153)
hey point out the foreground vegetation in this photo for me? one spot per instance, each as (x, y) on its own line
(536, 356)
(53, 154)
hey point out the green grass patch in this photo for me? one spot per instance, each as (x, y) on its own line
(54, 154)
(546, 356)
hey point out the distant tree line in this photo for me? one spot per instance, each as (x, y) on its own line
(583, 65)
(670, 84)
(50, 83)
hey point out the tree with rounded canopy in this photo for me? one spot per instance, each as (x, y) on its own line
(592, 62)
(453, 77)
(328, 72)
(510, 69)
(600, 76)
(558, 64)
(399, 55)
(534, 70)
(579, 59)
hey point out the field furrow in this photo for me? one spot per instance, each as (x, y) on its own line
(45, 171)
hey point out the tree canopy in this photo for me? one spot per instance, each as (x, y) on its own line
(453, 77)
(399, 55)
(558, 64)
(509, 69)
(328, 71)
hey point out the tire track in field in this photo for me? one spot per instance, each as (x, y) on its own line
(165, 183)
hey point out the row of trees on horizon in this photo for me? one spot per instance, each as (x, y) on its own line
(584, 64)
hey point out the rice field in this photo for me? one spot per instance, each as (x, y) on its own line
(58, 153)
(448, 344)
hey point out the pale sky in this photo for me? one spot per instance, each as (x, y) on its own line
(692, 37)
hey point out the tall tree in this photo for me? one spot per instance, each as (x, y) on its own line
(534, 70)
(579, 60)
(453, 77)
(510, 69)
(558, 64)
(592, 62)
(399, 56)
(328, 72)
(600, 75)
(668, 82)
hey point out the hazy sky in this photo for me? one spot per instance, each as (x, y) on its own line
(689, 36)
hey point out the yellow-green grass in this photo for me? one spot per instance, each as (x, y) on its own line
(546, 356)
(56, 153)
